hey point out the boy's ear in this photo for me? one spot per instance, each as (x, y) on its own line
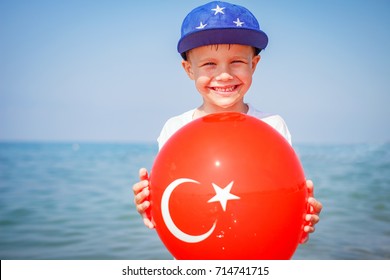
(187, 67)
(255, 61)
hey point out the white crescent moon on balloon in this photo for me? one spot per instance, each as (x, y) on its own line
(168, 219)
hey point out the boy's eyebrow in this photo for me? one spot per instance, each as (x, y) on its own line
(207, 58)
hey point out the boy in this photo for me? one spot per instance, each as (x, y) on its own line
(220, 45)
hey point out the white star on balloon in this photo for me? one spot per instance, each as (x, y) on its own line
(218, 10)
(238, 23)
(223, 195)
(201, 26)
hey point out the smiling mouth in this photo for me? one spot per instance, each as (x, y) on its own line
(225, 90)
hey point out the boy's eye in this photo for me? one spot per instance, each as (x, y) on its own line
(208, 64)
(238, 61)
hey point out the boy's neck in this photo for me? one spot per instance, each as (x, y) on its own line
(205, 110)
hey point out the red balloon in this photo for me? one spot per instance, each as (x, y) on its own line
(228, 186)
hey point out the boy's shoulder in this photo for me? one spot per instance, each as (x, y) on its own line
(264, 115)
(173, 124)
(274, 120)
(179, 120)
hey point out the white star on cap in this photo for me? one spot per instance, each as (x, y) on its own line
(201, 26)
(238, 22)
(223, 195)
(218, 10)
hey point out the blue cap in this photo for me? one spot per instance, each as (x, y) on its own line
(220, 23)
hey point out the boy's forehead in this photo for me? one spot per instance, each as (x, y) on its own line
(234, 49)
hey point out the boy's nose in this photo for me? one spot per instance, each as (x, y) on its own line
(224, 76)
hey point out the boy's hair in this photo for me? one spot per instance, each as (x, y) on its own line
(184, 55)
(220, 23)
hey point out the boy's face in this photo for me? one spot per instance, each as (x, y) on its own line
(222, 74)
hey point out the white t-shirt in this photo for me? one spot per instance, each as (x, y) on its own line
(175, 123)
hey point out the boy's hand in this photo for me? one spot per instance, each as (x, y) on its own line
(315, 207)
(141, 194)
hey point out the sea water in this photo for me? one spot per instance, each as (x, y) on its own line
(75, 201)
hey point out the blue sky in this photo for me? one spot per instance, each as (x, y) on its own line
(109, 71)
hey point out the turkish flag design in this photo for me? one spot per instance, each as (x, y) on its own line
(228, 186)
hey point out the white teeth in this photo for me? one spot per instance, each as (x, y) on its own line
(225, 89)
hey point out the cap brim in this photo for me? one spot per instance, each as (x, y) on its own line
(242, 36)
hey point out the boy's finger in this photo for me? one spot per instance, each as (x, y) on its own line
(309, 229)
(317, 206)
(148, 222)
(312, 219)
(141, 208)
(137, 188)
(141, 196)
(310, 187)
(140, 186)
(143, 174)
